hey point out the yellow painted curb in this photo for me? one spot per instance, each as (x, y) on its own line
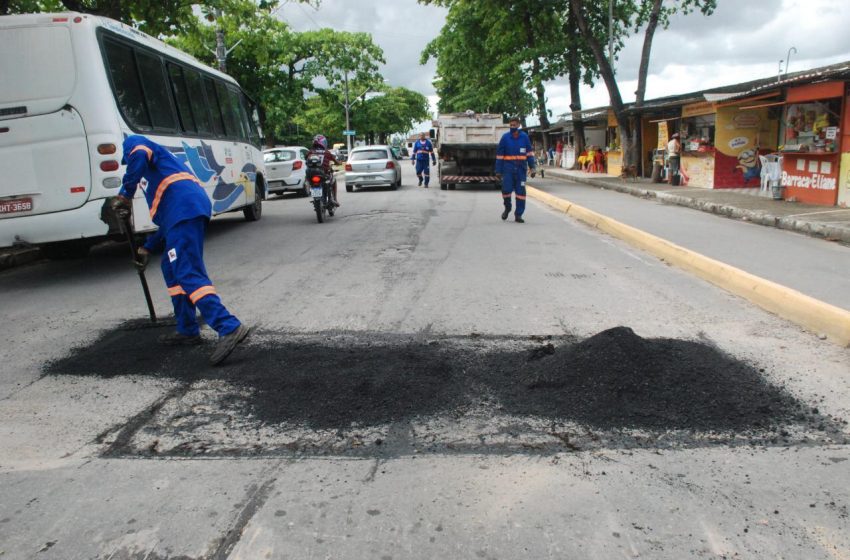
(812, 314)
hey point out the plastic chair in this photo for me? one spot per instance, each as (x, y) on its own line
(771, 171)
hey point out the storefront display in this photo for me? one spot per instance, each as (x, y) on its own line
(697, 131)
(811, 148)
(613, 150)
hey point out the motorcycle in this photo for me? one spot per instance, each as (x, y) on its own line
(321, 188)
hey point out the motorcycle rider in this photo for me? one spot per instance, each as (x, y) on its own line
(320, 149)
(422, 149)
(514, 157)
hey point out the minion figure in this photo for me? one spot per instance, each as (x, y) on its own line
(748, 164)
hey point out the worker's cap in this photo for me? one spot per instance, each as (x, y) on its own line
(514, 118)
(675, 135)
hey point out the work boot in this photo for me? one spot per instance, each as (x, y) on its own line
(179, 339)
(505, 213)
(519, 220)
(420, 183)
(227, 343)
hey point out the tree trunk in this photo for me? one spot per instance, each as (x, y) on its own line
(268, 133)
(540, 91)
(627, 134)
(649, 34)
(574, 70)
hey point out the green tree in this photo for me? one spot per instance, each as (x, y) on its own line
(637, 13)
(276, 65)
(472, 72)
(377, 118)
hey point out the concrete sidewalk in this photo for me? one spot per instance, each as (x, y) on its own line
(818, 221)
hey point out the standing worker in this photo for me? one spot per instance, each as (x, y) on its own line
(181, 208)
(422, 151)
(513, 157)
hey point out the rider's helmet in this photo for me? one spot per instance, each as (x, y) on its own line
(320, 141)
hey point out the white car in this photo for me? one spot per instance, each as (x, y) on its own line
(372, 166)
(286, 170)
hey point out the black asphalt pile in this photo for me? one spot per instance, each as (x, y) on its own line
(617, 379)
(613, 380)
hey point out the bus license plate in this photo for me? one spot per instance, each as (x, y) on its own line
(317, 192)
(15, 205)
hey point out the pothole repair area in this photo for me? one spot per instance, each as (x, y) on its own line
(381, 396)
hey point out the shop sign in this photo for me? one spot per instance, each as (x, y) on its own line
(697, 109)
(662, 135)
(811, 174)
(746, 120)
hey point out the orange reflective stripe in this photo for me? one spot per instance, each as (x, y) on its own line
(160, 190)
(506, 195)
(144, 148)
(514, 157)
(201, 292)
(176, 291)
(530, 154)
(500, 157)
(520, 197)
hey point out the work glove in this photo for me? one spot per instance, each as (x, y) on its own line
(121, 206)
(413, 162)
(142, 258)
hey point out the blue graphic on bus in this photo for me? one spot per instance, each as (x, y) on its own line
(198, 163)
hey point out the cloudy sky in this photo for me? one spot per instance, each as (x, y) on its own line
(742, 40)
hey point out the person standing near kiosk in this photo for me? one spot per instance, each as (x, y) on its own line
(674, 152)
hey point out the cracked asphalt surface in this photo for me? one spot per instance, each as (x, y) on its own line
(424, 381)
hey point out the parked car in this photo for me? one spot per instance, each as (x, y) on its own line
(285, 170)
(372, 166)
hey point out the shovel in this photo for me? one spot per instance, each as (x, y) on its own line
(128, 231)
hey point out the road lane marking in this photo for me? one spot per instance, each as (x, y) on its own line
(812, 314)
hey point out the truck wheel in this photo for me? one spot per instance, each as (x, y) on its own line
(349, 188)
(444, 186)
(452, 186)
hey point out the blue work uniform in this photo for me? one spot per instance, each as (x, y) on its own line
(513, 157)
(422, 152)
(181, 208)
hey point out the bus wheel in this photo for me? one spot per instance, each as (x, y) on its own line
(65, 250)
(255, 211)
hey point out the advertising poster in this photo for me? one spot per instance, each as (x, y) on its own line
(698, 171)
(739, 136)
(662, 135)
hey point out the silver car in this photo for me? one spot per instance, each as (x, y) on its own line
(286, 169)
(372, 166)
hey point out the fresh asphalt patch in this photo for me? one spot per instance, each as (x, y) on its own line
(372, 394)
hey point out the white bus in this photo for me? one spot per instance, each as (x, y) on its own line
(72, 87)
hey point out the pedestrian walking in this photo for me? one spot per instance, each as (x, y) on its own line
(559, 150)
(423, 150)
(514, 157)
(181, 208)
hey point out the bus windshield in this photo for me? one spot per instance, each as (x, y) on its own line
(38, 69)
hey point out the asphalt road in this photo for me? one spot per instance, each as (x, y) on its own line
(146, 455)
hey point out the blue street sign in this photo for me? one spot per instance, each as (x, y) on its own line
(349, 132)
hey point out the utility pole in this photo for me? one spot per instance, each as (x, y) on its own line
(347, 121)
(221, 51)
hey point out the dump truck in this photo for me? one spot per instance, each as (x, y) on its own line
(466, 144)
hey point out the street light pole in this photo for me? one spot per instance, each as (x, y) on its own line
(347, 121)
